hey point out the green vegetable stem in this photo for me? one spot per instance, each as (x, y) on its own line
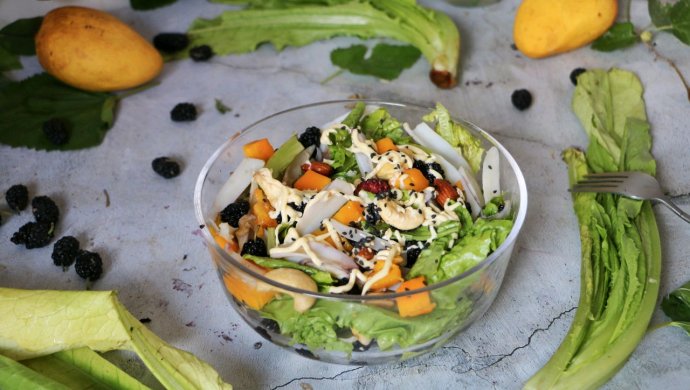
(621, 254)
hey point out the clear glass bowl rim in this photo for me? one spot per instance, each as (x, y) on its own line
(512, 236)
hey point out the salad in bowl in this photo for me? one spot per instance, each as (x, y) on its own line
(363, 237)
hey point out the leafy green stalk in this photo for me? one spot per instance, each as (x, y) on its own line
(299, 23)
(620, 245)
(47, 321)
(282, 158)
(466, 144)
(14, 375)
(83, 368)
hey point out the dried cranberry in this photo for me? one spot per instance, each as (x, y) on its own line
(375, 186)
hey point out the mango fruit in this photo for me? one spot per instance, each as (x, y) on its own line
(546, 27)
(94, 51)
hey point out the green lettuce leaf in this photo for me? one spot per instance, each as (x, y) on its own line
(620, 245)
(469, 146)
(380, 124)
(316, 328)
(344, 162)
(677, 306)
(14, 375)
(44, 322)
(352, 119)
(320, 277)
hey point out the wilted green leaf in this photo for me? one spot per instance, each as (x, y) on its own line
(619, 36)
(680, 20)
(386, 61)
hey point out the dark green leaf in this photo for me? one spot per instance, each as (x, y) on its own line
(143, 5)
(619, 36)
(680, 20)
(386, 61)
(18, 36)
(221, 107)
(25, 105)
(659, 11)
(17, 39)
(8, 61)
(677, 304)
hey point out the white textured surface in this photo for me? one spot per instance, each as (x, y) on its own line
(163, 272)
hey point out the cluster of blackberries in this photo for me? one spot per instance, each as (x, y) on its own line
(55, 129)
(425, 169)
(171, 43)
(232, 213)
(310, 136)
(40, 232)
(66, 252)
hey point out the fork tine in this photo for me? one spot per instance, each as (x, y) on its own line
(593, 188)
(601, 181)
(607, 175)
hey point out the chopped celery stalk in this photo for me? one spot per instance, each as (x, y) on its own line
(83, 368)
(352, 119)
(14, 375)
(282, 158)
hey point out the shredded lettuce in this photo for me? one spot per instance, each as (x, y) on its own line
(344, 161)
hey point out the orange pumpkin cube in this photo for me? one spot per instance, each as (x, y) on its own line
(259, 149)
(312, 181)
(385, 144)
(416, 304)
(352, 211)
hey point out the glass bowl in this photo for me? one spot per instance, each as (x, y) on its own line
(352, 329)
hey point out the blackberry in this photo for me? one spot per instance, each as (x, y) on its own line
(170, 42)
(17, 197)
(33, 235)
(201, 53)
(166, 167)
(521, 99)
(183, 112)
(55, 129)
(65, 251)
(233, 212)
(310, 136)
(45, 210)
(372, 214)
(88, 265)
(412, 256)
(255, 247)
(436, 167)
(576, 72)
(424, 168)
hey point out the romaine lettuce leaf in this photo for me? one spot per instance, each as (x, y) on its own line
(320, 277)
(46, 321)
(469, 146)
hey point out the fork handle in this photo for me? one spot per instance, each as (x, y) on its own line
(666, 201)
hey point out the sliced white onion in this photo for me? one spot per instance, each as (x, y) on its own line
(357, 235)
(491, 175)
(341, 185)
(236, 183)
(294, 170)
(363, 163)
(322, 207)
(427, 137)
(472, 191)
(331, 256)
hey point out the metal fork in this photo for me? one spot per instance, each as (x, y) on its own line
(635, 185)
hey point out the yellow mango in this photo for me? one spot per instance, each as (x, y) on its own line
(547, 27)
(94, 51)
